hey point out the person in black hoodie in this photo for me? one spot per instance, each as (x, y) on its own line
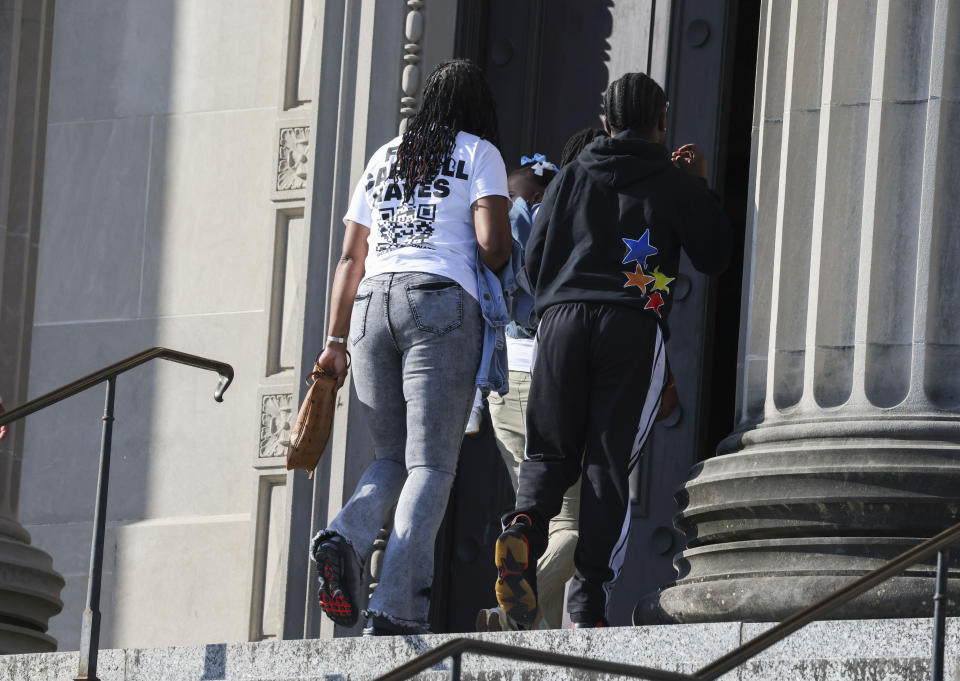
(602, 257)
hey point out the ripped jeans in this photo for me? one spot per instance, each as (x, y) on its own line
(416, 341)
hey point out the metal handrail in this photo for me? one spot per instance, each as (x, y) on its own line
(938, 544)
(90, 380)
(90, 625)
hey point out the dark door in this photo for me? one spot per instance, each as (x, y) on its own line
(710, 80)
(548, 63)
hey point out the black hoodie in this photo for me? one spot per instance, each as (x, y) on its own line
(612, 224)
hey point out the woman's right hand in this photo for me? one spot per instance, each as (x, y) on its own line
(333, 360)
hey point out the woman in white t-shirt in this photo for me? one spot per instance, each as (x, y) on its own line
(405, 292)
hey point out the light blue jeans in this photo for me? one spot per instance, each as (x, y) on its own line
(416, 341)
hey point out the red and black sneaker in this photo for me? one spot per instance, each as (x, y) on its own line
(589, 625)
(516, 573)
(334, 592)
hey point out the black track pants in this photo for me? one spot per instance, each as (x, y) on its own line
(595, 390)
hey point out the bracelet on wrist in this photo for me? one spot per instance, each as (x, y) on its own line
(337, 339)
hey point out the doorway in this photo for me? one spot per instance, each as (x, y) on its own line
(548, 63)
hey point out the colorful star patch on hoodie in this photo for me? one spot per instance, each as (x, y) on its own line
(638, 278)
(661, 281)
(638, 250)
(654, 302)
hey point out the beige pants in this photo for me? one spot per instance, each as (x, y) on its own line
(555, 568)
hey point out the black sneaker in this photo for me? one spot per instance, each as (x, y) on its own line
(589, 625)
(334, 592)
(516, 573)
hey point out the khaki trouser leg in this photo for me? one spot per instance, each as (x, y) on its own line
(555, 567)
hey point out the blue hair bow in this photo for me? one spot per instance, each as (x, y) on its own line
(537, 164)
(537, 158)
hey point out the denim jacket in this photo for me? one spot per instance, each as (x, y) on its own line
(505, 297)
(521, 221)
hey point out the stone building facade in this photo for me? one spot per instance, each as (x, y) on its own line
(180, 150)
(189, 166)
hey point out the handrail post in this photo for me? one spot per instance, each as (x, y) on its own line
(90, 627)
(455, 667)
(939, 616)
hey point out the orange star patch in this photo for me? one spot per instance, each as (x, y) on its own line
(639, 278)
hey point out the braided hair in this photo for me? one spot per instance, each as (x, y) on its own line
(633, 102)
(578, 140)
(456, 97)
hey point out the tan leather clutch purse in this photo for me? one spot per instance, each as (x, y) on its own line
(311, 431)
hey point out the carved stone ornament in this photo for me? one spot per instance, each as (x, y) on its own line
(412, 73)
(276, 420)
(293, 161)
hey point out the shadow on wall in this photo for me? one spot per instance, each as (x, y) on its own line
(102, 205)
(156, 231)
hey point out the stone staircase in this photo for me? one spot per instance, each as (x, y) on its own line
(869, 650)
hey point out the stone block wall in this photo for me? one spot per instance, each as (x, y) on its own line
(159, 223)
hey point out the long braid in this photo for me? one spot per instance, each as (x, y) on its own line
(578, 140)
(456, 98)
(633, 101)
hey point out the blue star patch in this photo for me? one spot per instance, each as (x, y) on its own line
(639, 249)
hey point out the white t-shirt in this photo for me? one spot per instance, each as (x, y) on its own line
(434, 232)
(520, 354)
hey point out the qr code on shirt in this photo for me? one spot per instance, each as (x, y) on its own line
(405, 226)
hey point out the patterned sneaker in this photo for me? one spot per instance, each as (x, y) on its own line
(516, 573)
(494, 619)
(334, 592)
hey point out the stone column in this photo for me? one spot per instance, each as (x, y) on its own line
(847, 449)
(29, 586)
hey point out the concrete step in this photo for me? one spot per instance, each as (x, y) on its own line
(868, 650)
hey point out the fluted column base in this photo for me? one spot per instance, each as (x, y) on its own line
(29, 596)
(803, 508)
